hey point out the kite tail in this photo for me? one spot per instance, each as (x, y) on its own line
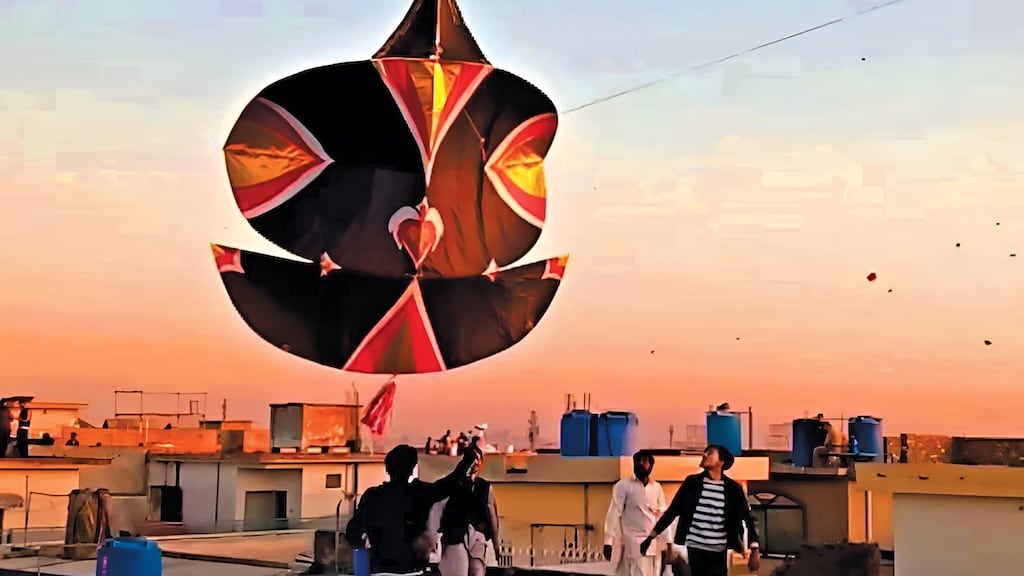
(378, 411)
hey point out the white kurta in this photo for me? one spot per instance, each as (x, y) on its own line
(634, 510)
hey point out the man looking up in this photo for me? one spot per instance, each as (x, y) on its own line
(712, 510)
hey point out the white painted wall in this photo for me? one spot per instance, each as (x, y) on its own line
(308, 496)
(287, 479)
(46, 511)
(201, 509)
(318, 501)
(371, 474)
(52, 421)
(957, 535)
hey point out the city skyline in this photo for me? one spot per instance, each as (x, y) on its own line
(721, 226)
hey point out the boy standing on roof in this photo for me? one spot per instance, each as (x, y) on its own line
(712, 510)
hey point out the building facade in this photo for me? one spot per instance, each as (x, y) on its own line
(952, 519)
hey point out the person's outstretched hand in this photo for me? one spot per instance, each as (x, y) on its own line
(607, 552)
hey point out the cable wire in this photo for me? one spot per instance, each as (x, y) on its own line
(730, 57)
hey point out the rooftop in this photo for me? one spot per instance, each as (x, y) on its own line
(254, 554)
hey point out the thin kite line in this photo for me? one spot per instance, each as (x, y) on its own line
(730, 57)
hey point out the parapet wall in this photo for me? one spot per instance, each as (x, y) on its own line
(190, 440)
(175, 440)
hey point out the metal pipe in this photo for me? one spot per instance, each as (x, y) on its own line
(28, 508)
(750, 428)
(586, 513)
(337, 533)
(216, 500)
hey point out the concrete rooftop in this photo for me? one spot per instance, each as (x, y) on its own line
(253, 554)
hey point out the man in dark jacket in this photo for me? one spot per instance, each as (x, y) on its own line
(393, 516)
(712, 510)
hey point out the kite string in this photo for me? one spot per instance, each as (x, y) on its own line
(730, 57)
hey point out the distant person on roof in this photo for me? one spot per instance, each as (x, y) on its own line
(712, 510)
(835, 442)
(73, 440)
(24, 424)
(5, 428)
(392, 517)
(636, 504)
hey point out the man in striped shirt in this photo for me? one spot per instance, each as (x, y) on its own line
(712, 510)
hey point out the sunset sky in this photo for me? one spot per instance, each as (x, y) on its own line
(725, 220)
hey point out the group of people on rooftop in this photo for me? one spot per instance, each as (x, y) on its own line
(455, 446)
(399, 521)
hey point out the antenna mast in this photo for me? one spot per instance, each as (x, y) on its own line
(534, 432)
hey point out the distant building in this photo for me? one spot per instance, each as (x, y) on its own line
(778, 436)
(956, 502)
(43, 485)
(53, 417)
(696, 437)
(257, 491)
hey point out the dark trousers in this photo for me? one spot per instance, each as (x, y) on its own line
(704, 563)
(5, 442)
(21, 444)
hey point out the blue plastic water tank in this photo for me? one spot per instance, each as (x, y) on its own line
(616, 434)
(870, 441)
(575, 435)
(361, 562)
(725, 430)
(808, 434)
(127, 556)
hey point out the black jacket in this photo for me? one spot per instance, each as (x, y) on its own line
(737, 512)
(393, 515)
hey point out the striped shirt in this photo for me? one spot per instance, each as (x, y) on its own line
(707, 531)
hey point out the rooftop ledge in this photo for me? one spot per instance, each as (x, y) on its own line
(943, 479)
(50, 463)
(555, 469)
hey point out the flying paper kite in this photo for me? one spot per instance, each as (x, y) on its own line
(406, 185)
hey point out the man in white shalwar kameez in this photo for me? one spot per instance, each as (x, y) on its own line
(636, 505)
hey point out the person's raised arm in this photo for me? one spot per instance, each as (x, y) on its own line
(448, 485)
